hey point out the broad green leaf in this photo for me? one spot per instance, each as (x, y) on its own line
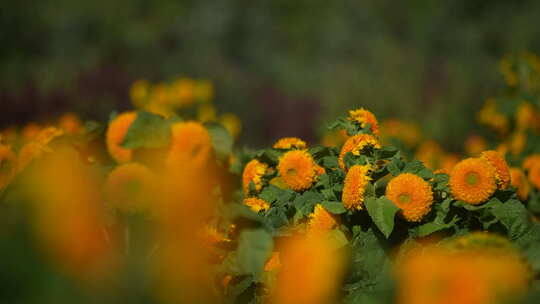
(147, 131)
(254, 249)
(513, 216)
(338, 238)
(382, 211)
(222, 141)
(334, 207)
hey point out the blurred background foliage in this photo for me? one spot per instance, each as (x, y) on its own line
(285, 67)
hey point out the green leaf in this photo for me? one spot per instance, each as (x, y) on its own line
(334, 207)
(437, 225)
(149, 131)
(222, 141)
(382, 211)
(337, 238)
(254, 249)
(513, 216)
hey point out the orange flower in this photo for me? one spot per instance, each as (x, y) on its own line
(253, 172)
(130, 187)
(70, 123)
(320, 221)
(116, 133)
(355, 144)
(534, 175)
(190, 145)
(8, 166)
(497, 161)
(298, 169)
(37, 147)
(473, 181)
(273, 262)
(430, 154)
(411, 194)
(311, 272)
(354, 187)
(519, 181)
(364, 117)
(474, 145)
(531, 160)
(256, 204)
(288, 143)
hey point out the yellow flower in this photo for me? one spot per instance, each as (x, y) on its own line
(37, 147)
(8, 166)
(531, 160)
(526, 117)
(491, 117)
(206, 112)
(203, 90)
(232, 123)
(474, 145)
(430, 154)
(256, 204)
(473, 181)
(520, 182)
(534, 175)
(116, 133)
(407, 132)
(190, 145)
(288, 143)
(254, 172)
(183, 92)
(139, 92)
(130, 187)
(364, 117)
(411, 194)
(355, 186)
(298, 169)
(497, 161)
(518, 141)
(320, 221)
(70, 123)
(355, 144)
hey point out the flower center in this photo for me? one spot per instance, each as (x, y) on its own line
(404, 198)
(291, 171)
(471, 178)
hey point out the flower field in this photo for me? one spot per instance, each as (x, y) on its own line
(161, 204)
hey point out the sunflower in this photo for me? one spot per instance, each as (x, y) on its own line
(232, 123)
(256, 204)
(355, 144)
(364, 117)
(8, 167)
(497, 161)
(474, 145)
(534, 175)
(473, 181)
(354, 187)
(130, 187)
(530, 160)
(253, 172)
(190, 144)
(297, 169)
(520, 182)
(116, 133)
(430, 154)
(288, 143)
(320, 221)
(70, 123)
(411, 194)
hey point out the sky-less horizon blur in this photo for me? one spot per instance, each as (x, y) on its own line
(286, 68)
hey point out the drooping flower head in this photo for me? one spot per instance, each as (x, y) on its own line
(320, 221)
(356, 144)
(520, 182)
(116, 133)
(253, 173)
(411, 194)
(354, 187)
(364, 117)
(130, 188)
(256, 204)
(298, 169)
(288, 143)
(191, 145)
(473, 181)
(497, 161)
